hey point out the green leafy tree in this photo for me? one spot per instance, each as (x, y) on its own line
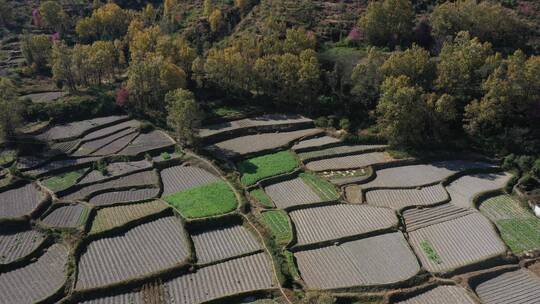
(6, 13)
(108, 22)
(10, 116)
(62, 66)
(183, 115)
(36, 50)
(414, 63)
(388, 22)
(297, 40)
(216, 20)
(53, 15)
(367, 78)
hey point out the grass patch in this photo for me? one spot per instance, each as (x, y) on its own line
(83, 216)
(430, 252)
(7, 156)
(324, 189)
(262, 197)
(257, 168)
(278, 223)
(63, 181)
(207, 200)
(289, 258)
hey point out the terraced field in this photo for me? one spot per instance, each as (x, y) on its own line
(277, 221)
(293, 192)
(69, 216)
(418, 175)
(180, 178)
(519, 228)
(37, 280)
(224, 243)
(315, 143)
(338, 151)
(147, 142)
(445, 244)
(106, 145)
(445, 294)
(514, 287)
(125, 196)
(111, 217)
(326, 223)
(114, 170)
(379, 260)
(20, 201)
(260, 167)
(249, 273)
(17, 244)
(349, 162)
(76, 129)
(400, 198)
(142, 250)
(466, 188)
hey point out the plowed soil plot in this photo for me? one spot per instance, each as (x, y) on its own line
(441, 295)
(378, 260)
(137, 179)
(315, 142)
(180, 178)
(245, 274)
(326, 223)
(230, 127)
(61, 164)
(147, 142)
(292, 193)
(417, 175)
(104, 132)
(78, 128)
(338, 151)
(515, 287)
(400, 198)
(519, 228)
(69, 216)
(257, 143)
(108, 218)
(62, 147)
(446, 239)
(134, 297)
(16, 244)
(223, 243)
(116, 145)
(116, 169)
(37, 280)
(124, 196)
(464, 189)
(349, 162)
(142, 250)
(20, 201)
(111, 143)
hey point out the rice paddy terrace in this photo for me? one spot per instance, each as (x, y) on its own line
(114, 213)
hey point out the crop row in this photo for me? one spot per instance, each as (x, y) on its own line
(466, 188)
(20, 201)
(338, 151)
(16, 244)
(401, 198)
(124, 196)
(180, 178)
(69, 216)
(111, 217)
(515, 287)
(315, 142)
(78, 128)
(349, 162)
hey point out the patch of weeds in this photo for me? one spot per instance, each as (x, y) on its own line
(430, 252)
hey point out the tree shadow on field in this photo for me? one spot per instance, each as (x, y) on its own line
(248, 167)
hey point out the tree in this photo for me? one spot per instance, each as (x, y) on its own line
(414, 63)
(297, 40)
(108, 22)
(53, 15)
(388, 22)
(242, 5)
(309, 77)
(367, 78)
(6, 14)
(36, 50)
(10, 116)
(215, 19)
(402, 112)
(197, 69)
(62, 66)
(183, 115)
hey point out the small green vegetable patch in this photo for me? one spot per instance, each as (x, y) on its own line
(63, 181)
(278, 223)
(519, 228)
(430, 252)
(262, 197)
(206, 200)
(289, 257)
(324, 189)
(257, 168)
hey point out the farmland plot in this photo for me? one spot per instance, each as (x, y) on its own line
(93, 147)
(271, 120)
(63, 181)
(180, 178)
(124, 196)
(16, 244)
(116, 169)
(418, 175)
(20, 201)
(420, 218)
(244, 145)
(349, 162)
(78, 128)
(398, 199)
(442, 295)
(104, 132)
(293, 192)
(338, 151)
(142, 250)
(116, 145)
(111, 217)
(315, 142)
(326, 223)
(65, 147)
(143, 178)
(383, 259)
(37, 280)
(133, 297)
(260, 167)
(514, 287)
(147, 142)
(244, 274)
(277, 221)
(60, 164)
(69, 216)
(464, 189)
(456, 243)
(224, 243)
(518, 227)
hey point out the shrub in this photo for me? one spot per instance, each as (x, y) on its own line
(536, 168)
(146, 127)
(345, 124)
(321, 122)
(101, 166)
(525, 163)
(165, 156)
(509, 162)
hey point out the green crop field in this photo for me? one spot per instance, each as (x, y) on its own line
(323, 188)
(207, 200)
(63, 181)
(519, 228)
(262, 197)
(278, 223)
(257, 168)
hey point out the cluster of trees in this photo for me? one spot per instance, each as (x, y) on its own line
(10, 116)
(107, 22)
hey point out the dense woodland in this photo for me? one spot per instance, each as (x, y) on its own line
(421, 75)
